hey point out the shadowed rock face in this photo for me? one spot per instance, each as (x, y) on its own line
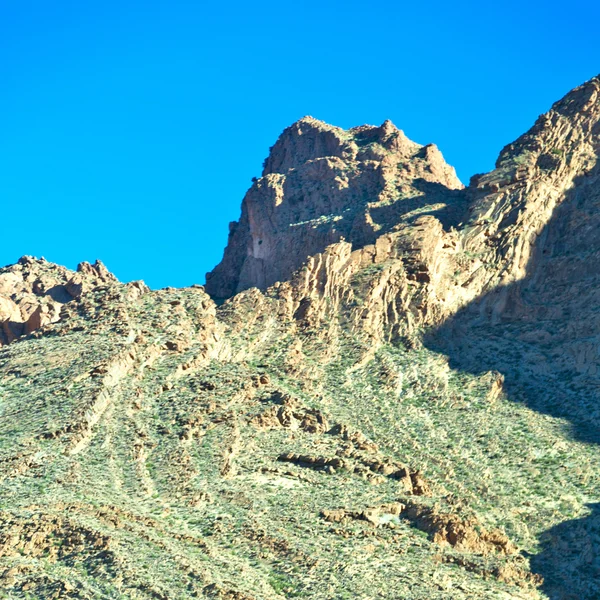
(322, 184)
(407, 406)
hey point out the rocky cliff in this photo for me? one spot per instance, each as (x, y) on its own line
(320, 185)
(413, 217)
(396, 394)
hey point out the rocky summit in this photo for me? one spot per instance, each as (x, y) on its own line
(388, 388)
(321, 185)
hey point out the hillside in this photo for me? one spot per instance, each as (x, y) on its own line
(389, 388)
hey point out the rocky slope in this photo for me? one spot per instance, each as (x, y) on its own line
(397, 398)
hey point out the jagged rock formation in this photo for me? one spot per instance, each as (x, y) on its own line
(553, 164)
(321, 184)
(33, 291)
(376, 410)
(505, 212)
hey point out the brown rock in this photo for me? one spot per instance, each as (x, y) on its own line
(33, 293)
(320, 185)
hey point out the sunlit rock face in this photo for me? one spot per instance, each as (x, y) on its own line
(33, 291)
(322, 184)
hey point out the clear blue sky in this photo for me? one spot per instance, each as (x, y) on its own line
(131, 130)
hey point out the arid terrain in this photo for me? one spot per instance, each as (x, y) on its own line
(389, 388)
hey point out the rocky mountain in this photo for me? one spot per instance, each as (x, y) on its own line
(320, 185)
(388, 388)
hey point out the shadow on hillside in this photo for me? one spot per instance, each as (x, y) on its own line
(542, 334)
(570, 558)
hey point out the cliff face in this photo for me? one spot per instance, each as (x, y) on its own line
(398, 396)
(320, 185)
(375, 198)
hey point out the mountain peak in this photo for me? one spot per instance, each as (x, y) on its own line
(321, 184)
(306, 139)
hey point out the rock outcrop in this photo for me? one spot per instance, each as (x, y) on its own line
(33, 291)
(548, 174)
(370, 221)
(322, 184)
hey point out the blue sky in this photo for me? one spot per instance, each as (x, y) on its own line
(131, 130)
